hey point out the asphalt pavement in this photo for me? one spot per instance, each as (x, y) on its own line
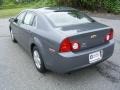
(17, 71)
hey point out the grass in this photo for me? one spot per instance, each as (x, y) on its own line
(10, 12)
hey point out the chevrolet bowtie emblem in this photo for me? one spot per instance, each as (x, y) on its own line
(93, 36)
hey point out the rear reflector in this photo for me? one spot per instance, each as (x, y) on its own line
(68, 46)
(75, 46)
(109, 36)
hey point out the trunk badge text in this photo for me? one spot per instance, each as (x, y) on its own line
(83, 45)
(52, 50)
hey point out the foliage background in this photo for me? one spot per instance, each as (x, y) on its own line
(97, 5)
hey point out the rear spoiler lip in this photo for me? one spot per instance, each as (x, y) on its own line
(93, 30)
(89, 31)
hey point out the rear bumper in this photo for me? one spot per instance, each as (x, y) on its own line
(66, 62)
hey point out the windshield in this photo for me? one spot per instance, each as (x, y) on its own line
(68, 18)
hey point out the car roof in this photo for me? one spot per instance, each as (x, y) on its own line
(52, 9)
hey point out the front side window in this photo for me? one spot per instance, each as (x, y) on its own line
(21, 17)
(66, 18)
(29, 18)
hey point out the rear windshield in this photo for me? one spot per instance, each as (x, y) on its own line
(68, 18)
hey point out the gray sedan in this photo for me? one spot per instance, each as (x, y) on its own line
(62, 39)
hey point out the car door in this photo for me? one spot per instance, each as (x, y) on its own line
(16, 25)
(25, 32)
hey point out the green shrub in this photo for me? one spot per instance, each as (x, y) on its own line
(108, 5)
(44, 3)
(1, 2)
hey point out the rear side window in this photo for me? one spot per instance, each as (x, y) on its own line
(29, 18)
(34, 24)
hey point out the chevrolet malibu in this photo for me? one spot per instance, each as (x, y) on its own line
(62, 39)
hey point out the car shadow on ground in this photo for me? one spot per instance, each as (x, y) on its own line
(107, 69)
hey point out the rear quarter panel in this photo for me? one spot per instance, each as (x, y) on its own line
(47, 40)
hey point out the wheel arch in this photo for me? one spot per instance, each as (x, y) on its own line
(31, 47)
(41, 46)
(36, 42)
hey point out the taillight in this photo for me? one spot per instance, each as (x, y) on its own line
(67, 46)
(109, 36)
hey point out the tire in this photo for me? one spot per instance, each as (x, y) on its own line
(38, 61)
(12, 37)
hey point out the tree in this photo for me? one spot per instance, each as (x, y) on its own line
(1, 2)
(74, 3)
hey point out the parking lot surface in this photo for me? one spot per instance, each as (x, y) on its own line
(17, 71)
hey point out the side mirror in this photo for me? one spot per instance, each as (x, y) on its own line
(13, 20)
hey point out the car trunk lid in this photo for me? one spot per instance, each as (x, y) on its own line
(88, 35)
